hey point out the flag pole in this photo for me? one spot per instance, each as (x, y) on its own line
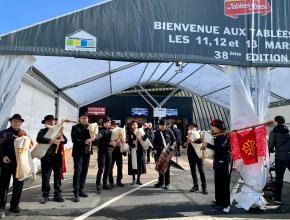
(267, 123)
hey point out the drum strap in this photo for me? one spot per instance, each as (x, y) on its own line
(163, 139)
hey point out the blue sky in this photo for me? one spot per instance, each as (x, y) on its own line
(16, 14)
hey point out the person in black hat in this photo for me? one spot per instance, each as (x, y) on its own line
(8, 164)
(81, 155)
(195, 161)
(222, 164)
(105, 147)
(279, 142)
(163, 137)
(52, 160)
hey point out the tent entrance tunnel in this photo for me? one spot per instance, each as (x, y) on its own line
(235, 58)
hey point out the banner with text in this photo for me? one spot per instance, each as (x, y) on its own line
(233, 32)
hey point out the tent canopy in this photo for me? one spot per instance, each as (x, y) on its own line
(88, 80)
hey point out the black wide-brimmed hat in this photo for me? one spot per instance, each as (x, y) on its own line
(47, 118)
(192, 124)
(83, 114)
(162, 122)
(218, 124)
(17, 117)
(106, 119)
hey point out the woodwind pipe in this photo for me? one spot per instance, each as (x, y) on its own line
(19, 152)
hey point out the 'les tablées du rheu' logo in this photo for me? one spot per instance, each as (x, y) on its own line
(234, 8)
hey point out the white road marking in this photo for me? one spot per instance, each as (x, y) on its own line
(95, 210)
(32, 187)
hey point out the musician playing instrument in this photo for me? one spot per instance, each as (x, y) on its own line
(105, 146)
(52, 160)
(222, 164)
(117, 157)
(137, 154)
(195, 161)
(8, 164)
(81, 153)
(163, 138)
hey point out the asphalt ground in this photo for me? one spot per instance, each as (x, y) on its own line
(140, 202)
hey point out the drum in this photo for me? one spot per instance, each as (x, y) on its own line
(164, 160)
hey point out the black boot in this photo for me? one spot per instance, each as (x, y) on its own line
(158, 185)
(58, 198)
(138, 180)
(98, 191)
(194, 188)
(44, 200)
(119, 183)
(76, 198)
(204, 191)
(82, 194)
(15, 209)
(106, 187)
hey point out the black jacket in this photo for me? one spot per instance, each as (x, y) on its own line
(279, 140)
(43, 140)
(104, 139)
(177, 134)
(79, 135)
(168, 137)
(7, 148)
(222, 156)
(150, 134)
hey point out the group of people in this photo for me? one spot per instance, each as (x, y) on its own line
(110, 153)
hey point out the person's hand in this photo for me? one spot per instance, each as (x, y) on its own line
(88, 141)
(61, 139)
(135, 142)
(56, 141)
(154, 152)
(113, 143)
(6, 160)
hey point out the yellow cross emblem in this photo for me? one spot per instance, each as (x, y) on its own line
(249, 147)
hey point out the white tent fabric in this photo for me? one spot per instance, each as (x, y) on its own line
(12, 68)
(245, 112)
(86, 81)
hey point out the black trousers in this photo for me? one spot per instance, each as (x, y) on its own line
(280, 168)
(178, 153)
(104, 163)
(51, 163)
(148, 154)
(165, 178)
(194, 162)
(117, 158)
(81, 166)
(6, 171)
(222, 179)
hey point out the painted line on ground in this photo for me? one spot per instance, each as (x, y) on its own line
(32, 187)
(95, 210)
